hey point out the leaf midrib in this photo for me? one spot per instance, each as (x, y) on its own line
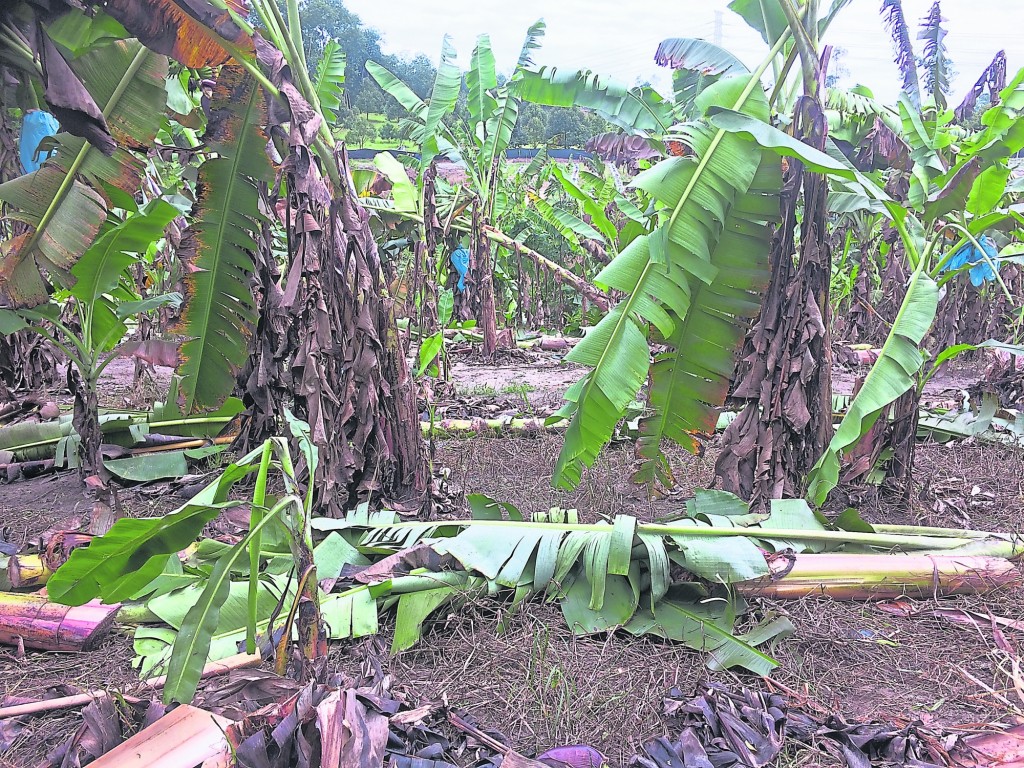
(200, 330)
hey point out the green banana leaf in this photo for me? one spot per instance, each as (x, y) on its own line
(443, 94)
(219, 305)
(119, 564)
(635, 110)
(329, 81)
(501, 123)
(101, 269)
(893, 374)
(481, 80)
(710, 221)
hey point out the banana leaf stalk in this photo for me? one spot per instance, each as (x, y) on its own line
(37, 441)
(471, 427)
(561, 274)
(441, 428)
(37, 623)
(843, 576)
(904, 541)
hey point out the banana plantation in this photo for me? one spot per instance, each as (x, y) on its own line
(590, 424)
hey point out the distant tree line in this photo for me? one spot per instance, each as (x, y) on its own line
(323, 20)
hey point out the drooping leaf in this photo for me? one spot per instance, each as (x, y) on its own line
(699, 55)
(79, 32)
(893, 374)
(636, 110)
(690, 381)
(935, 59)
(770, 137)
(103, 265)
(398, 90)
(892, 12)
(329, 81)
(188, 31)
(219, 305)
(565, 223)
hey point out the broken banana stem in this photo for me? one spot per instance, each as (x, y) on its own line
(25, 571)
(879, 577)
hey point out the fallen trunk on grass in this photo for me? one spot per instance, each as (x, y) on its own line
(879, 577)
(25, 571)
(442, 428)
(35, 622)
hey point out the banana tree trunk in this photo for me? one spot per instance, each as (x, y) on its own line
(483, 267)
(880, 577)
(901, 435)
(785, 372)
(37, 623)
(86, 421)
(350, 377)
(26, 571)
(340, 353)
(425, 253)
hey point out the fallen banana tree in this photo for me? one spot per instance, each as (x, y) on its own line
(842, 576)
(30, 621)
(26, 571)
(137, 446)
(684, 580)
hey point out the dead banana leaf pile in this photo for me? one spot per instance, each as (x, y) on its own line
(724, 726)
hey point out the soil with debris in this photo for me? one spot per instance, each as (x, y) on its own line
(528, 676)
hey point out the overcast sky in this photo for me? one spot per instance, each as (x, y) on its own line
(618, 37)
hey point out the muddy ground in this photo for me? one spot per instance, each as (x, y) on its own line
(543, 686)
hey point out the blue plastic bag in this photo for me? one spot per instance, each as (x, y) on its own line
(35, 126)
(460, 260)
(968, 254)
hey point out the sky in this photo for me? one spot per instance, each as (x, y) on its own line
(617, 38)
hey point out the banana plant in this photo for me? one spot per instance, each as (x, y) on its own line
(477, 146)
(962, 204)
(100, 295)
(66, 201)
